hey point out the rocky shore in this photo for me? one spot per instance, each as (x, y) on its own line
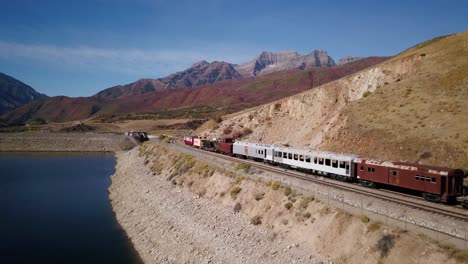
(76, 142)
(167, 224)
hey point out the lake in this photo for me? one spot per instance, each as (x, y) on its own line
(54, 208)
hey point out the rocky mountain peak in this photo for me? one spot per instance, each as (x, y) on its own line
(199, 63)
(348, 59)
(268, 62)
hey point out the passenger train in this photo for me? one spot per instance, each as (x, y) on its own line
(436, 184)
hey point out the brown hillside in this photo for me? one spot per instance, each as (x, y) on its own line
(225, 96)
(411, 107)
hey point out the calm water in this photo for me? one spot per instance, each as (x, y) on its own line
(54, 208)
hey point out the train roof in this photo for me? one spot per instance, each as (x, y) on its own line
(407, 166)
(316, 153)
(246, 143)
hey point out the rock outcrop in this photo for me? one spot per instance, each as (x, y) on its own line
(268, 62)
(348, 59)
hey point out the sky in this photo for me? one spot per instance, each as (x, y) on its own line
(77, 48)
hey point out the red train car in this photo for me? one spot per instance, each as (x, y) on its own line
(188, 140)
(436, 184)
(224, 146)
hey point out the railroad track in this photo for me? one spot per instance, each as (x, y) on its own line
(406, 200)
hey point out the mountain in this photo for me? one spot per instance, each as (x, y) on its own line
(199, 74)
(348, 59)
(268, 62)
(202, 73)
(14, 93)
(227, 95)
(412, 107)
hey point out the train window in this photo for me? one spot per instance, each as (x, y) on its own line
(289, 155)
(433, 180)
(307, 159)
(428, 179)
(342, 164)
(327, 162)
(301, 157)
(334, 163)
(373, 169)
(315, 160)
(280, 154)
(295, 156)
(362, 168)
(417, 178)
(369, 169)
(285, 155)
(320, 161)
(394, 172)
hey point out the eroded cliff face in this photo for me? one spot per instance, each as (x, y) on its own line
(383, 112)
(306, 118)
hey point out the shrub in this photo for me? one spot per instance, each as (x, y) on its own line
(243, 166)
(288, 205)
(307, 215)
(239, 179)
(305, 201)
(268, 183)
(246, 131)
(227, 131)
(259, 196)
(287, 191)
(364, 219)
(256, 220)
(37, 121)
(275, 185)
(235, 191)
(374, 226)
(385, 244)
(366, 93)
(284, 221)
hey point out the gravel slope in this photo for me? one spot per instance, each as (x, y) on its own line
(169, 225)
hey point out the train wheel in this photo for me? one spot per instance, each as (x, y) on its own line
(432, 197)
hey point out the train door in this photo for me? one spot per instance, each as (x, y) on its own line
(394, 177)
(443, 185)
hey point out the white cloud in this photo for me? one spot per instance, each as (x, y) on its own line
(148, 63)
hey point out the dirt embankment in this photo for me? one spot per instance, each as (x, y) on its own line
(177, 209)
(411, 107)
(76, 142)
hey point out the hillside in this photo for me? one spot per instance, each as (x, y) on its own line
(221, 96)
(411, 107)
(14, 93)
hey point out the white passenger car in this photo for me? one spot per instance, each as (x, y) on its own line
(197, 142)
(331, 164)
(253, 150)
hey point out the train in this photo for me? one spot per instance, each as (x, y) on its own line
(435, 184)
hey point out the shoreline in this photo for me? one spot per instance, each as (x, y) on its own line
(62, 142)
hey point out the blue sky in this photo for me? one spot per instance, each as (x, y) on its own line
(77, 48)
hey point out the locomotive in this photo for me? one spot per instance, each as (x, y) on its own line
(436, 184)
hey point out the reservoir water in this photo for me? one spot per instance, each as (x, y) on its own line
(54, 208)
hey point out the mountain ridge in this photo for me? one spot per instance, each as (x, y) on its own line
(14, 93)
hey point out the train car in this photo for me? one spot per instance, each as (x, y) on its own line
(208, 145)
(197, 142)
(256, 151)
(224, 146)
(436, 184)
(138, 136)
(334, 165)
(188, 140)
